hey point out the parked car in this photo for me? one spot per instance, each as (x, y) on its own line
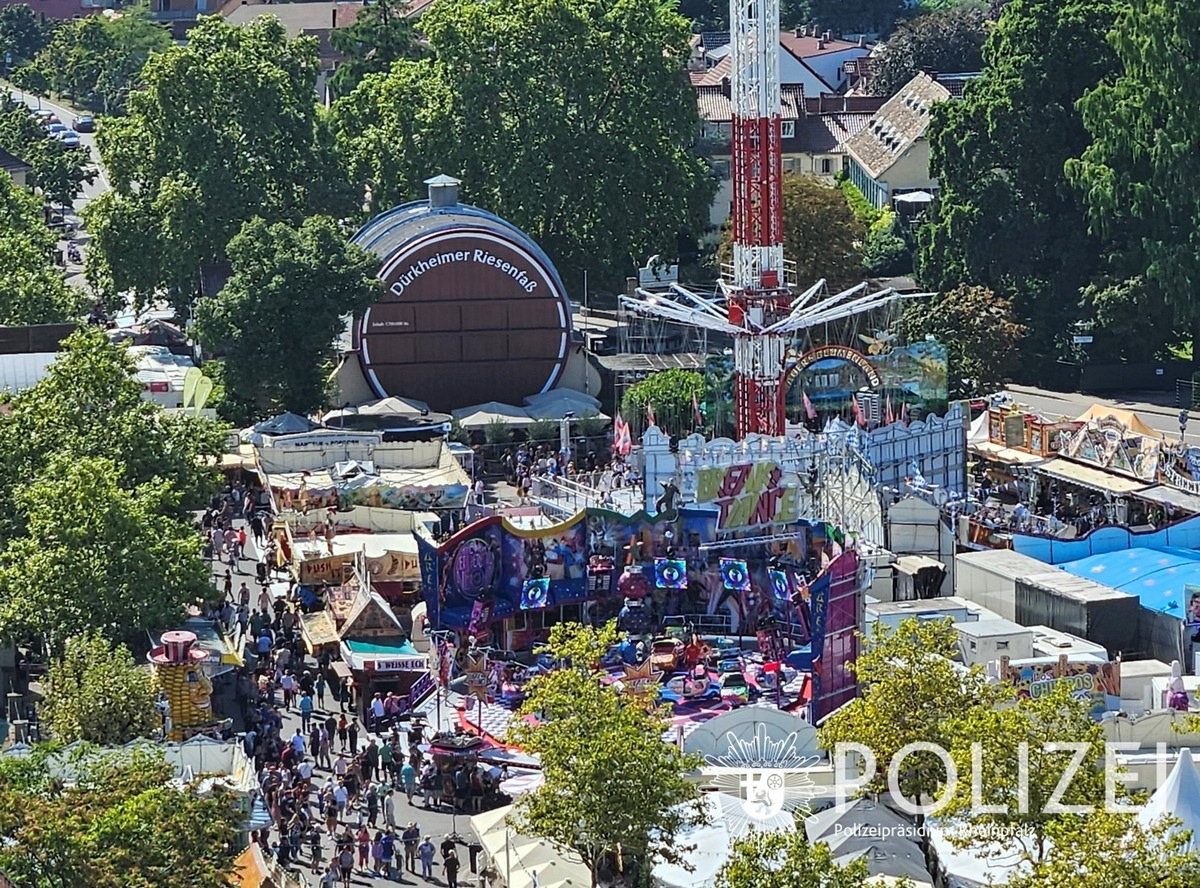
(84, 123)
(51, 120)
(69, 139)
(55, 128)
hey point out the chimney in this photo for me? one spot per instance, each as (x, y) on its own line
(333, 18)
(821, 43)
(727, 87)
(827, 36)
(443, 191)
(799, 32)
(862, 41)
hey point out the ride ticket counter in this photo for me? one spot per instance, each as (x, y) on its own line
(380, 667)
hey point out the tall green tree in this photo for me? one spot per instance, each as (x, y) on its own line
(276, 321)
(786, 860)
(381, 34)
(1145, 124)
(1006, 217)
(98, 60)
(97, 693)
(912, 692)
(224, 129)
(1104, 850)
(574, 121)
(58, 171)
(23, 33)
(90, 405)
(96, 556)
(1009, 758)
(669, 393)
(843, 16)
(119, 825)
(981, 335)
(947, 41)
(612, 786)
(32, 290)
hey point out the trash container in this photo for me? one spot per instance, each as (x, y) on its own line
(474, 849)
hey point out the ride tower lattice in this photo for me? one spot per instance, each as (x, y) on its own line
(754, 304)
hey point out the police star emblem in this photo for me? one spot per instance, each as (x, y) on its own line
(477, 678)
(642, 680)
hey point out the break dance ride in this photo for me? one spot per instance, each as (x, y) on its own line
(754, 303)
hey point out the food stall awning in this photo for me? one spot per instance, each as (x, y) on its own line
(1004, 454)
(1086, 476)
(366, 656)
(318, 628)
(1172, 496)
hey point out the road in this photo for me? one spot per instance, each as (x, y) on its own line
(434, 822)
(88, 140)
(1156, 409)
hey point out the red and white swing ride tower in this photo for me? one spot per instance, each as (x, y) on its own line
(754, 303)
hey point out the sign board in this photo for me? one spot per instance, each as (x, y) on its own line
(1082, 340)
(656, 274)
(403, 664)
(838, 353)
(748, 495)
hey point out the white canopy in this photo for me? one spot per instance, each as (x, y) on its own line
(1178, 797)
(406, 408)
(524, 862)
(481, 415)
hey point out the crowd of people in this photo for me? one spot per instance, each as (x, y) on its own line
(529, 468)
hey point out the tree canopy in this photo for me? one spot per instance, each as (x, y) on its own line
(32, 290)
(669, 393)
(23, 33)
(573, 121)
(786, 860)
(1006, 217)
(118, 825)
(612, 786)
(944, 41)
(1144, 126)
(57, 170)
(910, 692)
(98, 60)
(224, 129)
(381, 34)
(276, 320)
(96, 490)
(96, 692)
(982, 337)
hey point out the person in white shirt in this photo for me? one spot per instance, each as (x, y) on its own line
(305, 770)
(298, 742)
(377, 708)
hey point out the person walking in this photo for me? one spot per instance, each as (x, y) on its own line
(377, 854)
(314, 844)
(451, 865)
(389, 809)
(346, 865)
(411, 837)
(388, 843)
(352, 735)
(319, 688)
(306, 711)
(425, 852)
(343, 732)
(364, 848)
(408, 776)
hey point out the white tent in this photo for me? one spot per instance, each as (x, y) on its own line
(480, 415)
(525, 862)
(384, 408)
(553, 404)
(1178, 797)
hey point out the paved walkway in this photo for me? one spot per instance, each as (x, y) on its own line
(436, 823)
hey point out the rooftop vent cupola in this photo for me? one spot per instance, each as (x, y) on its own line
(443, 191)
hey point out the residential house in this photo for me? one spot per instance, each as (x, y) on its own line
(813, 130)
(62, 10)
(15, 167)
(816, 63)
(889, 157)
(307, 19)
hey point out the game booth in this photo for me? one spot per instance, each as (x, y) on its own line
(715, 617)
